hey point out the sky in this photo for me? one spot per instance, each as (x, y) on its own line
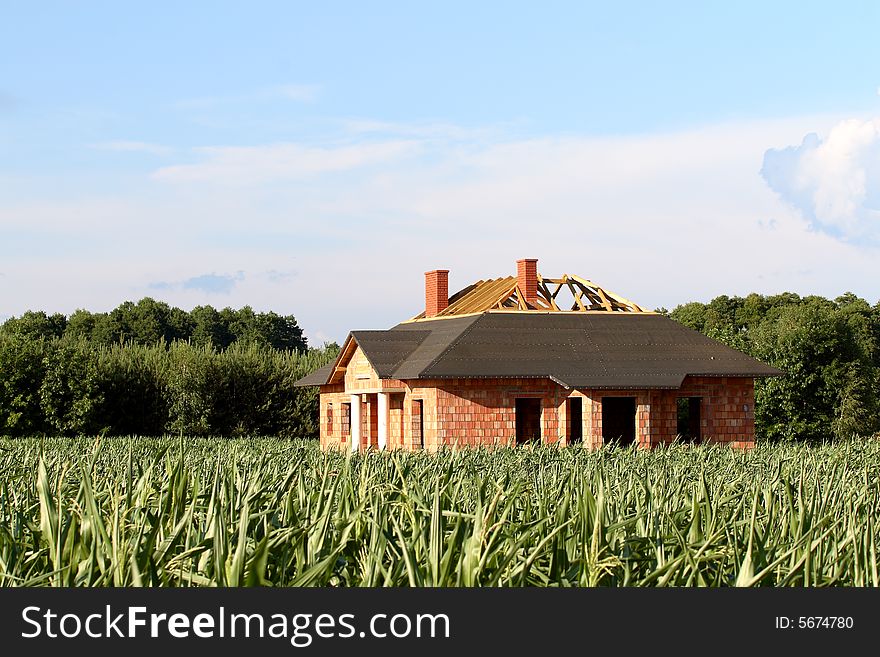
(316, 159)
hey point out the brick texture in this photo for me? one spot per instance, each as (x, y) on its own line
(472, 412)
(436, 291)
(527, 279)
(727, 413)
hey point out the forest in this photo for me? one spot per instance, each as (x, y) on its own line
(147, 368)
(829, 350)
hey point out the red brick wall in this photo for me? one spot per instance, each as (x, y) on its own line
(337, 434)
(427, 393)
(369, 411)
(395, 420)
(727, 413)
(483, 411)
(593, 415)
(470, 412)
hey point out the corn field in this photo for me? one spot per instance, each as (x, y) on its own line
(265, 511)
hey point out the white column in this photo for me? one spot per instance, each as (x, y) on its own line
(383, 420)
(355, 423)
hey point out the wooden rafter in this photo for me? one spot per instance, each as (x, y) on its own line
(548, 298)
(504, 294)
(621, 301)
(345, 354)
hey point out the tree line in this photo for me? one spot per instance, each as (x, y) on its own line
(829, 350)
(150, 369)
(72, 386)
(149, 321)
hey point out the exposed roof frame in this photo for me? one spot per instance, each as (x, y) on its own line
(504, 294)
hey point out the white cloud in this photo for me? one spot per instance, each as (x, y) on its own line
(248, 165)
(835, 181)
(211, 283)
(661, 219)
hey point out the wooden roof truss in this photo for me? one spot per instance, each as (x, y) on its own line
(585, 295)
(567, 293)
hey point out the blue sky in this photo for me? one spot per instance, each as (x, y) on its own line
(316, 158)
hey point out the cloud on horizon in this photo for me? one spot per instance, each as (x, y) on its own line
(661, 218)
(208, 283)
(833, 181)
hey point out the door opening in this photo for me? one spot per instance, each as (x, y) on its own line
(528, 419)
(688, 425)
(575, 420)
(619, 420)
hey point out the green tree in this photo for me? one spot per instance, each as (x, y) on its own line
(209, 328)
(146, 322)
(241, 324)
(132, 381)
(69, 392)
(22, 364)
(692, 315)
(179, 325)
(265, 329)
(828, 349)
(721, 313)
(752, 311)
(113, 327)
(192, 389)
(829, 387)
(81, 324)
(280, 332)
(36, 324)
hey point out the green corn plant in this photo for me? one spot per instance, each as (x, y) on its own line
(220, 511)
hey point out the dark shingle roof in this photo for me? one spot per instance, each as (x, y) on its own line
(577, 350)
(443, 333)
(317, 378)
(386, 350)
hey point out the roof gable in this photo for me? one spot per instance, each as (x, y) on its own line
(386, 350)
(399, 353)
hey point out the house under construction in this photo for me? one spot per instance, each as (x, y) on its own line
(528, 358)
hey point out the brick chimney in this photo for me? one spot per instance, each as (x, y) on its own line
(527, 279)
(436, 291)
